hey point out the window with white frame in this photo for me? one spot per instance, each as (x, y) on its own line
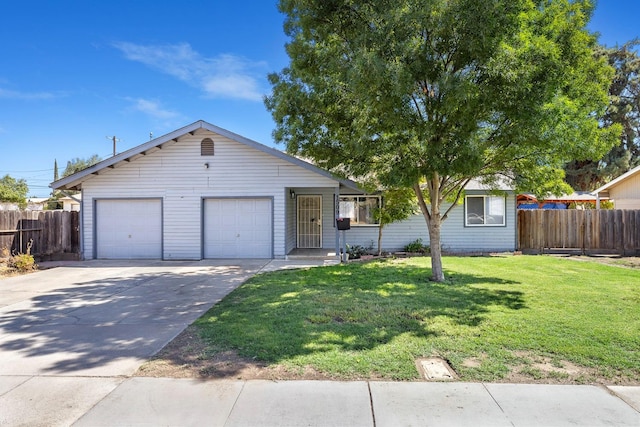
(359, 209)
(484, 211)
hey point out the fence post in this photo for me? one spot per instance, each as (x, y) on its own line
(20, 222)
(583, 227)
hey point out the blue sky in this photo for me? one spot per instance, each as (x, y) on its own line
(76, 72)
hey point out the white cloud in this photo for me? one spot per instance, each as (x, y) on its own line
(224, 76)
(25, 96)
(152, 109)
(232, 86)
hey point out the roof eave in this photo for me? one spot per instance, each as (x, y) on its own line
(618, 180)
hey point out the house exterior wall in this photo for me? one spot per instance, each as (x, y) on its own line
(290, 226)
(455, 236)
(627, 204)
(70, 205)
(626, 194)
(176, 174)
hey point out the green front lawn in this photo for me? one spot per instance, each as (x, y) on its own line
(534, 316)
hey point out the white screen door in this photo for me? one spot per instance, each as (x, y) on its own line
(309, 221)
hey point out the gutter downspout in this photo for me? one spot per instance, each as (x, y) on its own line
(81, 230)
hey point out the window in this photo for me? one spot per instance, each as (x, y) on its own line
(206, 147)
(359, 208)
(484, 211)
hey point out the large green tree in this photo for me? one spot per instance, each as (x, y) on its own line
(624, 109)
(78, 164)
(429, 94)
(14, 191)
(74, 165)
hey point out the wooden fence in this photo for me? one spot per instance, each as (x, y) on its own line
(585, 231)
(54, 234)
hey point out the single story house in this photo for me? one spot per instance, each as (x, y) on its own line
(624, 191)
(205, 192)
(71, 203)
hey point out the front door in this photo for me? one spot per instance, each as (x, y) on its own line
(309, 221)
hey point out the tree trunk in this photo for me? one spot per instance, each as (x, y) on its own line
(380, 239)
(434, 222)
(437, 273)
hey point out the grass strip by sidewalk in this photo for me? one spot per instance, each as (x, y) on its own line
(493, 316)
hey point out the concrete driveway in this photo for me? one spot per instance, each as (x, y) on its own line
(104, 318)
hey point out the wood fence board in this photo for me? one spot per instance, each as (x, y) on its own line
(588, 231)
(53, 233)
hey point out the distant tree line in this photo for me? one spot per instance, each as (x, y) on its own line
(14, 190)
(624, 109)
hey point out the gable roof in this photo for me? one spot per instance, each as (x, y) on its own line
(72, 182)
(618, 180)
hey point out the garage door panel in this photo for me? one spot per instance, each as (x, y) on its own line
(261, 235)
(237, 228)
(129, 229)
(245, 205)
(262, 220)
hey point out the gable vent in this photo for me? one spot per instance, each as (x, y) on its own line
(206, 147)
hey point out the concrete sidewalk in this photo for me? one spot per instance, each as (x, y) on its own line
(184, 402)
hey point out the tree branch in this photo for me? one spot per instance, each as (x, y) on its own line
(421, 203)
(457, 198)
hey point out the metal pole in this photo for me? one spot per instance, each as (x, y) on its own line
(344, 246)
(336, 204)
(114, 140)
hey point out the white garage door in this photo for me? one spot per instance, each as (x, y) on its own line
(129, 229)
(237, 228)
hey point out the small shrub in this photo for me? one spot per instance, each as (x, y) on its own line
(22, 262)
(356, 251)
(417, 247)
(4, 252)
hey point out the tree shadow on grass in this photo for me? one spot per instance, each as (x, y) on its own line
(280, 316)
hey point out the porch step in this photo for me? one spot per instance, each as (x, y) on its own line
(311, 254)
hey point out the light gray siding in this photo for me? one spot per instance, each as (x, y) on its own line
(177, 174)
(290, 226)
(455, 236)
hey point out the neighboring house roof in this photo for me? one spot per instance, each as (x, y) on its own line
(73, 199)
(499, 184)
(618, 180)
(37, 200)
(72, 182)
(578, 196)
